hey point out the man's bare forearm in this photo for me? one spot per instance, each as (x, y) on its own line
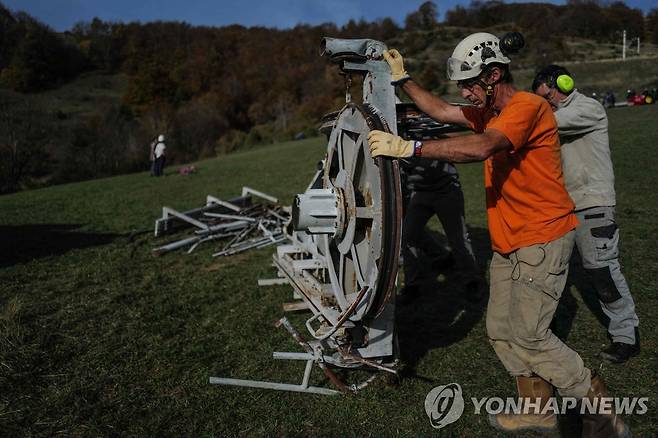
(434, 106)
(465, 148)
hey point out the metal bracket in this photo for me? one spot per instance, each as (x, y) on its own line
(311, 356)
(168, 212)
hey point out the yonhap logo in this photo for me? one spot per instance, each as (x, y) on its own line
(444, 405)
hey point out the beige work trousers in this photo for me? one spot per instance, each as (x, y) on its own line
(526, 286)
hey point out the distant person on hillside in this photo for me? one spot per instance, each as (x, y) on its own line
(160, 156)
(152, 155)
(590, 180)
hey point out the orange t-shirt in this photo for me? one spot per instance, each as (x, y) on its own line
(526, 199)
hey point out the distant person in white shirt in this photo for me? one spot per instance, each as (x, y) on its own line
(160, 156)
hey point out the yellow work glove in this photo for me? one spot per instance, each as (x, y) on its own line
(383, 143)
(395, 61)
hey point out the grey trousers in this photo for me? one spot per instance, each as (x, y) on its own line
(597, 239)
(416, 243)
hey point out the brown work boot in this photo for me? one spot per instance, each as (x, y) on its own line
(597, 425)
(533, 388)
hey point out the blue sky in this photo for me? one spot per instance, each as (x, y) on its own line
(62, 14)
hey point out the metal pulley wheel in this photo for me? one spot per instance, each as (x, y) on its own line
(356, 215)
(341, 257)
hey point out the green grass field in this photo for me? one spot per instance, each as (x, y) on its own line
(100, 338)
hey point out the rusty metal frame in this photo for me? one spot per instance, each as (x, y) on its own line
(307, 260)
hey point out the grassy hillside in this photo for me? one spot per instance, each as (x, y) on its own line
(97, 337)
(80, 97)
(586, 49)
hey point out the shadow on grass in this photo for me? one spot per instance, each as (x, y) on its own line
(23, 243)
(441, 316)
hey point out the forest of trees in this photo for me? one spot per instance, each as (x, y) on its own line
(215, 89)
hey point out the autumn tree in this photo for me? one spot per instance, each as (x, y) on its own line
(34, 56)
(652, 25)
(424, 18)
(23, 141)
(101, 42)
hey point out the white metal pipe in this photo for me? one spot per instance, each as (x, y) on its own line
(249, 191)
(271, 281)
(212, 200)
(307, 374)
(291, 355)
(168, 211)
(231, 216)
(272, 385)
(175, 245)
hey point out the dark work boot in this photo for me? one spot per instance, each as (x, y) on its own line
(619, 352)
(597, 425)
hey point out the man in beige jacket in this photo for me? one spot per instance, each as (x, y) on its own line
(590, 180)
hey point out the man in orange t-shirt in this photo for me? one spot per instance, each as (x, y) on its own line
(531, 223)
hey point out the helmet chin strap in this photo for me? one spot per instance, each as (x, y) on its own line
(489, 90)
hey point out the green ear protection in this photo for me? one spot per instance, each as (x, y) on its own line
(564, 83)
(554, 76)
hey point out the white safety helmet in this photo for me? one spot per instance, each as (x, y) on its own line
(161, 138)
(472, 54)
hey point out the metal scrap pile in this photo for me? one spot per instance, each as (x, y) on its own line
(240, 224)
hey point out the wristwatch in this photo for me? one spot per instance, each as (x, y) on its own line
(418, 148)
